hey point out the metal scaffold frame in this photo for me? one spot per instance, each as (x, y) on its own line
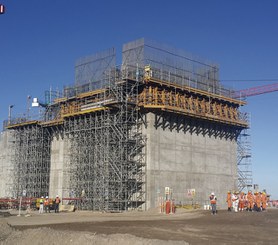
(106, 161)
(31, 161)
(244, 164)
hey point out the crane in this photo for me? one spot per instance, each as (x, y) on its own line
(243, 145)
(255, 91)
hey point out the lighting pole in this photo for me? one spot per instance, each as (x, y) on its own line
(28, 106)
(10, 114)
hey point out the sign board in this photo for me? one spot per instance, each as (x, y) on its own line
(167, 190)
(191, 193)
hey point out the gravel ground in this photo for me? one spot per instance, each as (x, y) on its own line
(184, 227)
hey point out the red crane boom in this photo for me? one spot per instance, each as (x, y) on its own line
(255, 91)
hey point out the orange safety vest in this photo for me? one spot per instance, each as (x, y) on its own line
(250, 199)
(258, 200)
(57, 200)
(212, 199)
(229, 200)
(46, 202)
(264, 200)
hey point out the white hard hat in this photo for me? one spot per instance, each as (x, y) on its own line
(212, 193)
(42, 197)
(46, 197)
(57, 196)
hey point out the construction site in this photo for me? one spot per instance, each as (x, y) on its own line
(158, 126)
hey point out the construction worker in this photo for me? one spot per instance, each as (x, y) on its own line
(56, 203)
(264, 201)
(257, 206)
(46, 204)
(229, 201)
(213, 200)
(235, 201)
(41, 205)
(250, 201)
(241, 202)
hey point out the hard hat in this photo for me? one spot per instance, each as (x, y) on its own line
(229, 191)
(42, 197)
(57, 196)
(212, 193)
(46, 197)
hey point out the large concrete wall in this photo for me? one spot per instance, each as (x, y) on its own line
(5, 163)
(185, 161)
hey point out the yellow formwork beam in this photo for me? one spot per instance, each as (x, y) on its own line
(194, 106)
(85, 111)
(11, 126)
(195, 91)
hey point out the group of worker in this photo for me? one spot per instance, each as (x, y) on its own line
(239, 201)
(46, 203)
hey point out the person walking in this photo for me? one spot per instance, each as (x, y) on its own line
(56, 203)
(41, 205)
(213, 200)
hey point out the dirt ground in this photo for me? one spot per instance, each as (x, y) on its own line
(184, 227)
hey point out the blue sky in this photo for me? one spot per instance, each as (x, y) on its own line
(41, 40)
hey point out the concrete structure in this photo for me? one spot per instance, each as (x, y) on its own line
(184, 160)
(6, 182)
(120, 136)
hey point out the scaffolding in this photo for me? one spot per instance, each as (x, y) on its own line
(244, 164)
(106, 162)
(31, 161)
(101, 120)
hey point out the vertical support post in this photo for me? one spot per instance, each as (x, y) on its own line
(10, 114)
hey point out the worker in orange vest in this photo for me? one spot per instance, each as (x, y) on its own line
(213, 200)
(258, 201)
(229, 201)
(241, 202)
(264, 201)
(250, 201)
(46, 204)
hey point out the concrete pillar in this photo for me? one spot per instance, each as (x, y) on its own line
(57, 167)
(6, 179)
